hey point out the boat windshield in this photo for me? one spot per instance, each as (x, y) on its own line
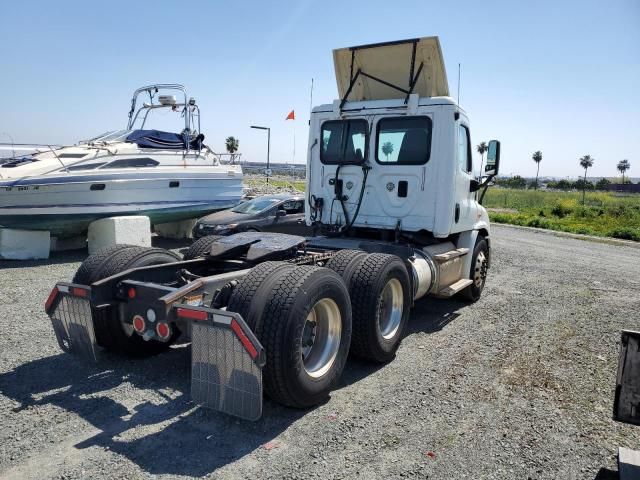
(111, 136)
(256, 205)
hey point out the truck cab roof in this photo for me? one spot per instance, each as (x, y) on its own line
(382, 104)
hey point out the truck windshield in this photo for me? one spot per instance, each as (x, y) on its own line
(344, 142)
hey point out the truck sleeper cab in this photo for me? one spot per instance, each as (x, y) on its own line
(394, 204)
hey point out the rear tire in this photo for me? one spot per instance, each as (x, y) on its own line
(478, 273)
(306, 332)
(134, 257)
(201, 247)
(345, 262)
(111, 333)
(86, 274)
(381, 299)
(248, 296)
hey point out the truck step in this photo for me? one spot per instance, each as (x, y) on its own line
(454, 288)
(446, 256)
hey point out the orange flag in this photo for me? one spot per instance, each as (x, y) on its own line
(291, 116)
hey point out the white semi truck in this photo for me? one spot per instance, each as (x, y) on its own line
(396, 212)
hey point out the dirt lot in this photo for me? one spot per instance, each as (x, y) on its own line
(519, 385)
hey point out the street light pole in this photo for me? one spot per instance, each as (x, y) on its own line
(268, 146)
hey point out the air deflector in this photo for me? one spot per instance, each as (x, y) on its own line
(391, 70)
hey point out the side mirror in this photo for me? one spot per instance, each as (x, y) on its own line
(280, 213)
(474, 185)
(493, 159)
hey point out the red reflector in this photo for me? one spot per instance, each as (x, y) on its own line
(163, 330)
(235, 326)
(138, 324)
(192, 314)
(131, 293)
(78, 292)
(52, 297)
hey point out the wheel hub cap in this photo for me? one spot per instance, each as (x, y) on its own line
(390, 309)
(321, 337)
(480, 270)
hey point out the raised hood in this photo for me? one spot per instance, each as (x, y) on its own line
(416, 61)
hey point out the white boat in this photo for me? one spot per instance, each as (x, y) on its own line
(165, 176)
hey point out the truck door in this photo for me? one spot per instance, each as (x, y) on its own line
(464, 216)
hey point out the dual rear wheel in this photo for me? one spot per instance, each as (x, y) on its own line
(112, 333)
(308, 318)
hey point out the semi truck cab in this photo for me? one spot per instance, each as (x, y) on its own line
(394, 153)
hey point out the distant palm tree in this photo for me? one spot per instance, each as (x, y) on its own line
(232, 144)
(585, 162)
(482, 148)
(387, 149)
(537, 157)
(623, 166)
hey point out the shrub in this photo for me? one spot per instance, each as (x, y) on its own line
(538, 222)
(584, 231)
(562, 208)
(625, 233)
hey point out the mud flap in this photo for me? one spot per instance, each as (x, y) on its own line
(226, 362)
(69, 309)
(626, 405)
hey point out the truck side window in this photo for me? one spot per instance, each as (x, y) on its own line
(464, 149)
(404, 140)
(344, 142)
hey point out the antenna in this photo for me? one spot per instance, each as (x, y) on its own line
(458, 84)
(311, 99)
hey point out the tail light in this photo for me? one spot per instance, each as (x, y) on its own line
(163, 330)
(51, 299)
(192, 314)
(138, 324)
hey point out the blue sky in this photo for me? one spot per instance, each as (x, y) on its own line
(561, 77)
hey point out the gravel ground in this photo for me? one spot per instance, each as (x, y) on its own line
(518, 385)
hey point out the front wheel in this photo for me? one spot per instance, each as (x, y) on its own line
(478, 274)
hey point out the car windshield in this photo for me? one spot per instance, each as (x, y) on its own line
(256, 205)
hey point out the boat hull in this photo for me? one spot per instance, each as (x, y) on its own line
(67, 206)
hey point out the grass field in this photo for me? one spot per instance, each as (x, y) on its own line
(278, 182)
(604, 214)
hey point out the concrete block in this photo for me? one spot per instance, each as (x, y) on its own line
(133, 230)
(179, 230)
(628, 463)
(24, 244)
(65, 244)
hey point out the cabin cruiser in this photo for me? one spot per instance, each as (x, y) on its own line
(136, 171)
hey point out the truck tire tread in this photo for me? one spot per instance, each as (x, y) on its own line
(365, 288)
(345, 262)
(245, 300)
(200, 247)
(91, 265)
(285, 305)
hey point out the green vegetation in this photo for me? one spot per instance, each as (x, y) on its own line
(603, 213)
(257, 181)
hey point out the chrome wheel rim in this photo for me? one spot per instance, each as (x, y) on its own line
(391, 307)
(480, 270)
(321, 337)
